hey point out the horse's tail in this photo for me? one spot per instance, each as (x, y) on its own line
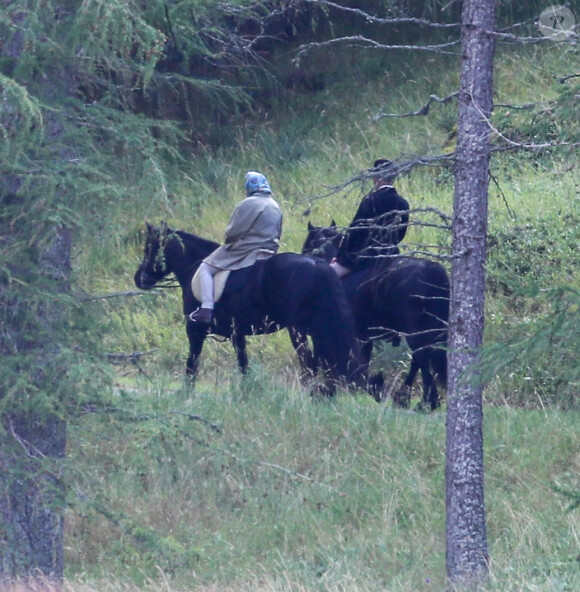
(437, 314)
(332, 326)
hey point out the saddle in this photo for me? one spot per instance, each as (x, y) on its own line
(221, 277)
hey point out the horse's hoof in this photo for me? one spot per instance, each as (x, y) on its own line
(402, 397)
(323, 391)
(428, 406)
(375, 387)
(423, 407)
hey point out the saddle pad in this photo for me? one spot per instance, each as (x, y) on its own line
(219, 283)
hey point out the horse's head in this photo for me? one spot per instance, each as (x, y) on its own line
(153, 267)
(322, 241)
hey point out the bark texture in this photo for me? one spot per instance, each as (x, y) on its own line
(33, 437)
(467, 552)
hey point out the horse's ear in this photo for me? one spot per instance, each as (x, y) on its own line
(332, 224)
(310, 226)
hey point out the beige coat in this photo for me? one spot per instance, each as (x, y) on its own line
(254, 227)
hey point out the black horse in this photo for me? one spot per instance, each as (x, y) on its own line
(399, 297)
(285, 290)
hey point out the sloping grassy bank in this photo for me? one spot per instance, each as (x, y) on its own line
(254, 486)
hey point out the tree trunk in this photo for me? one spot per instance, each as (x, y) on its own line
(467, 553)
(32, 497)
(32, 438)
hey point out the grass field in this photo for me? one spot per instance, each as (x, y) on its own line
(256, 487)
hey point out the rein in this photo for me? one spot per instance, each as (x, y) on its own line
(167, 283)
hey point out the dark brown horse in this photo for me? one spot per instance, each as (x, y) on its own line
(402, 297)
(285, 291)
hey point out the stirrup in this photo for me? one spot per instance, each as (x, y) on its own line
(203, 316)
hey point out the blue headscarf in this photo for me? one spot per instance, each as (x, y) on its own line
(256, 183)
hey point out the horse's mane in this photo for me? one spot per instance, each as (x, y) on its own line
(197, 241)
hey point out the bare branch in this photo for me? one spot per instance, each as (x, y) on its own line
(526, 23)
(29, 448)
(116, 295)
(505, 201)
(424, 110)
(397, 168)
(520, 145)
(372, 19)
(571, 34)
(360, 41)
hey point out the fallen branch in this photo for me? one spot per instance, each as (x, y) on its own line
(565, 78)
(509, 106)
(117, 295)
(132, 357)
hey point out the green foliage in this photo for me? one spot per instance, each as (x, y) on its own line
(549, 117)
(20, 120)
(538, 363)
(538, 251)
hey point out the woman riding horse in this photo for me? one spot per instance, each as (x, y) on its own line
(252, 233)
(285, 290)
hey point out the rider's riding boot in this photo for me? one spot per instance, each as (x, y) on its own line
(203, 316)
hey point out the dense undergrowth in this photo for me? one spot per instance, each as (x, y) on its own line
(250, 484)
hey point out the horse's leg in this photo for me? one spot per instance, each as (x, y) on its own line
(196, 335)
(374, 384)
(306, 358)
(402, 397)
(415, 367)
(421, 361)
(239, 343)
(430, 393)
(366, 352)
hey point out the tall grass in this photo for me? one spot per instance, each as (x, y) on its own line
(256, 486)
